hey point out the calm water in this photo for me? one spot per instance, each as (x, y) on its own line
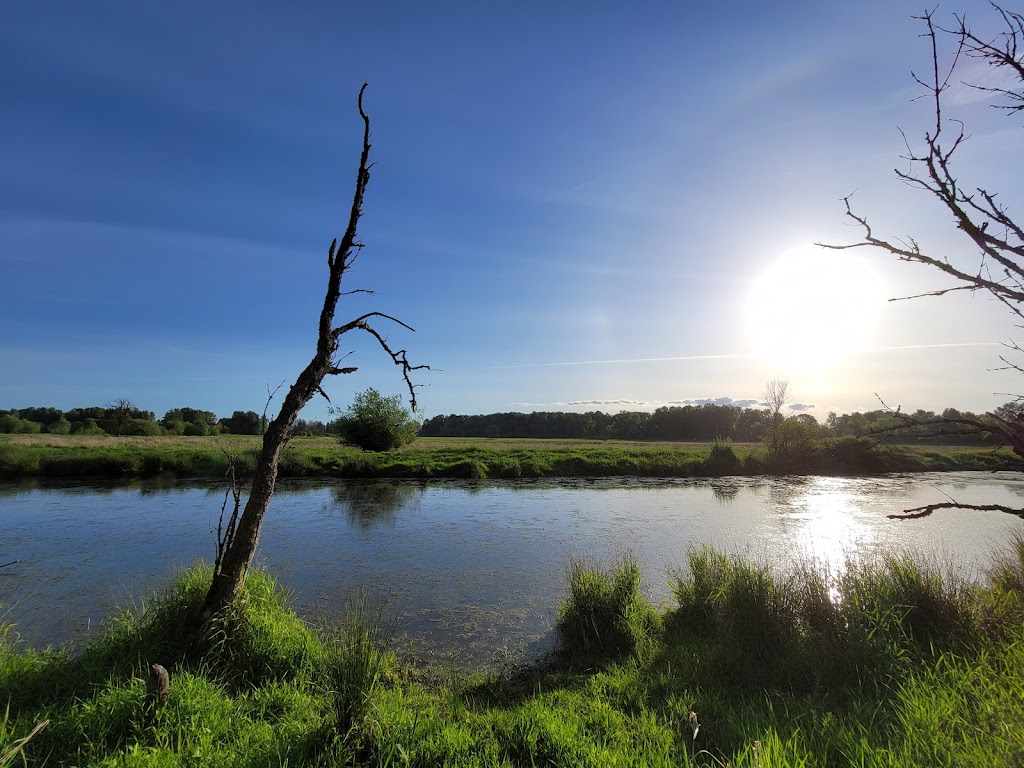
(474, 570)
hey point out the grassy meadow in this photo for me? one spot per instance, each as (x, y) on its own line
(888, 665)
(84, 457)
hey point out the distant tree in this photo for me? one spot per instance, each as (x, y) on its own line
(991, 234)
(309, 428)
(45, 416)
(81, 414)
(119, 412)
(796, 443)
(630, 425)
(10, 424)
(242, 423)
(88, 426)
(142, 427)
(190, 419)
(776, 395)
(61, 427)
(376, 423)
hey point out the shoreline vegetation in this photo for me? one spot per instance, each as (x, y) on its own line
(108, 457)
(890, 663)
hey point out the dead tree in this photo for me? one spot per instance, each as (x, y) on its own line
(236, 557)
(995, 237)
(775, 396)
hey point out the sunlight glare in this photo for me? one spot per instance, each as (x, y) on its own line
(812, 308)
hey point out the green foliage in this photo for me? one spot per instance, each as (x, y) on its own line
(846, 679)
(794, 445)
(60, 427)
(605, 615)
(722, 460)
(87, 427)
(356, 664)
(243, 423)
(374, 422)
(10, 424)
(322, 457)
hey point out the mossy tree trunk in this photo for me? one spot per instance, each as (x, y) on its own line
(240, 547)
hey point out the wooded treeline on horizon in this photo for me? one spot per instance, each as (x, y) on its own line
(705, 423)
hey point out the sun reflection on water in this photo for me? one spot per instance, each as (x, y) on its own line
(827, 522)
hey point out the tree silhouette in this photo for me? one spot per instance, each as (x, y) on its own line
(994, 237)
(242, 532)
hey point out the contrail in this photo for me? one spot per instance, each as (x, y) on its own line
(935, 346)
(626, 360)
(739, 355)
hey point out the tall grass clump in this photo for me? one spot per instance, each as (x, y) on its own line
(357, 664)
(752, 605)
(805, 628)
(909, 601)
(259, 639)
(605, 615)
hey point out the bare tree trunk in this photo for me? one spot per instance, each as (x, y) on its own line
(230, 573)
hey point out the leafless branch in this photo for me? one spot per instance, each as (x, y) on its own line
(226, 535)
(997, 238)
(919, 512)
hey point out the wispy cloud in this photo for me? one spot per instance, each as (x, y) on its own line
(620, 403)
(627, 360)
(643, 405)
(737, 355)
(802, 406)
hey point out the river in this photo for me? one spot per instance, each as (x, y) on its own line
(470, 571)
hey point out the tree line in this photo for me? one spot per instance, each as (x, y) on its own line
(706, 423)
(700, 423)
(122, 417)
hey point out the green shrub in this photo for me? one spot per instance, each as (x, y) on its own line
(60, 427)
(376, 423)
(605, 615)
(723, 459)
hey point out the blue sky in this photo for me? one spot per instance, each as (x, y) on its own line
(578, 205)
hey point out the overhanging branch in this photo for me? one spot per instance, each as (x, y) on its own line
(919, 512)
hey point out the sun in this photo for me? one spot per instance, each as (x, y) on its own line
(811, 309)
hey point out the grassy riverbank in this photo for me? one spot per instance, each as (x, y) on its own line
(61, 456)
(889, 666)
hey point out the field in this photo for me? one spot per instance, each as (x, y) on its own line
(72, 456)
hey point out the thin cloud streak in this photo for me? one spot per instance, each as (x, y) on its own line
(740, 355)
(627, 360)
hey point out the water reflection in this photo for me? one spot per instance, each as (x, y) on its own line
(724, 490)
(471, 567)
(372, 503)
(826, 520)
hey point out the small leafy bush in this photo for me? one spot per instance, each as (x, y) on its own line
(723, 459)
(376, 423)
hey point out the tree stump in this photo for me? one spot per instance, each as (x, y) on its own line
(157, 688)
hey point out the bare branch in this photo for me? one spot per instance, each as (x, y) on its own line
(919, 512)
(358, 323)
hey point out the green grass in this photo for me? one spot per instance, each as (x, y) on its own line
(888, 665)
(58, 456)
